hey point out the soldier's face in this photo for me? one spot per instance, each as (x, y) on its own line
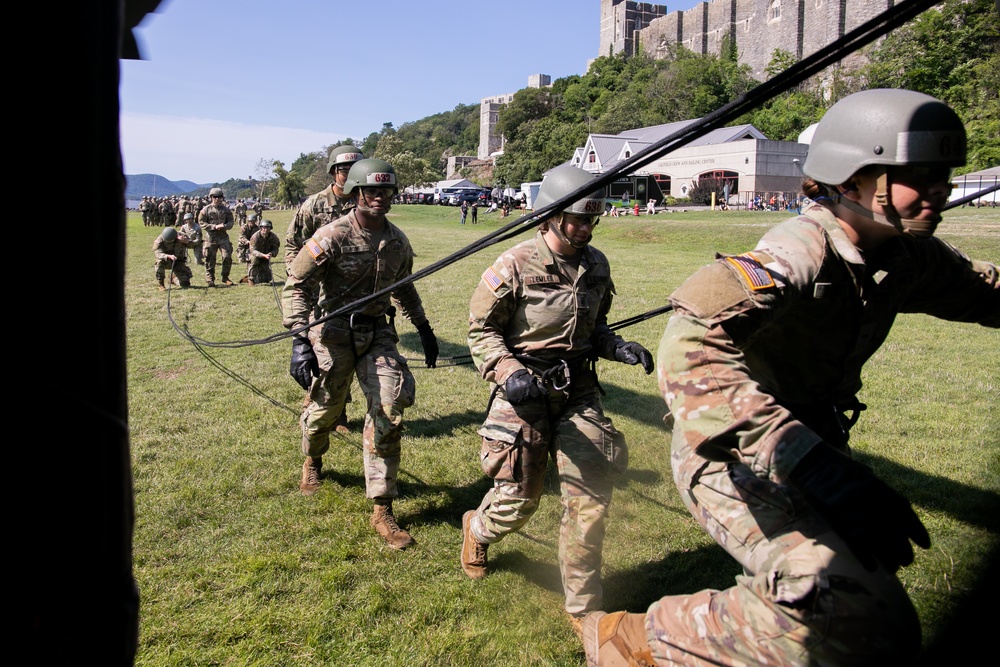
(917, 193)
(579, 228)
(378, 200)
(340, 175)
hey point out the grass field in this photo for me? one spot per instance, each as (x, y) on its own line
(235, 567)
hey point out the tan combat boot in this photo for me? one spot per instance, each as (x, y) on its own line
(386, 526)
(473, 551)
(341, 424)
(616, 640)
(161, 287)
(312, 467)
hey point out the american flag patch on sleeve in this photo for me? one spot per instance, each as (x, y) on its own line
(314, 248)
(755, 275)
(492, 278)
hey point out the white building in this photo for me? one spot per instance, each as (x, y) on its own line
(740, 155)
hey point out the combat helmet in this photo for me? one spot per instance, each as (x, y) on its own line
(215, 192)
(266, 224)
(169, 234)
(885, 128)
(188, 216)
(560, 182)
(343, 155)
(370, 173)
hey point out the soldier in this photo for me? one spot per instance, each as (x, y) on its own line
(170, 250)
(350, 258)
(246, 233)
(321, 209)
(760, 364)
(240, 210)
(258, 208)
(145, 207)
(192, 232)
(166, 212)
(326, 205)
(216, 220)
(538, 321)
(264, 245)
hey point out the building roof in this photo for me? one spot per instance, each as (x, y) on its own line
(610, 149)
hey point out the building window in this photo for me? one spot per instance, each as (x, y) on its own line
(774, 10)
(592, 157)
(628, 154)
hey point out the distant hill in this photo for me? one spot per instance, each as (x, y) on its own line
(139, 185)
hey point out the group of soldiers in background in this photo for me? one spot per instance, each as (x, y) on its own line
(204, 228)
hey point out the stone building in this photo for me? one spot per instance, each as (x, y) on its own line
(756, 27)
(489, 110)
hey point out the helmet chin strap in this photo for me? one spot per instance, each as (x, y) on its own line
(920, 229)
(557, 229)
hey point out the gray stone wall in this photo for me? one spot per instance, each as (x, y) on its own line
(800, 27)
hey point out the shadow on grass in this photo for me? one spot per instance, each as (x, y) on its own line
(968, 504)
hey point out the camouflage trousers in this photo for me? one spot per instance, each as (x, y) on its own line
(180, 269)
(517, 443)
(370, 354)
(210, 250)
(804, 598)
(259, 271)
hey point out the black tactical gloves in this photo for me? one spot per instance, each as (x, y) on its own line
(632, 354)
(522, 386)
(429, 342)
(304, 365)
(876, 522)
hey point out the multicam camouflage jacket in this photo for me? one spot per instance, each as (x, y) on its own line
(318, 210)
(791, 324)
(527, 303)
(215, 214)
(342, 263)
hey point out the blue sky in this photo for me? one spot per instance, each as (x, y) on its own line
(227, 82)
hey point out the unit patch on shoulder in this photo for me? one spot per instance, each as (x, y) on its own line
(752, 272)
(492, 278)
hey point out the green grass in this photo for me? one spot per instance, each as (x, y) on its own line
(235, 567)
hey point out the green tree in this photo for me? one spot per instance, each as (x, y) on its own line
(289, 187)
(410, 169)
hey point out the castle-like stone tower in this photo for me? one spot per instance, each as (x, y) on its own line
(621, 21)
(757, 27)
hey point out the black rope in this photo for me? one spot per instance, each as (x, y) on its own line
(974, 196)
(215, 362)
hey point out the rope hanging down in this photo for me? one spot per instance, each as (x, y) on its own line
(861, 36)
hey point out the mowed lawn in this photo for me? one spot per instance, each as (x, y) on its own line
(235, 567)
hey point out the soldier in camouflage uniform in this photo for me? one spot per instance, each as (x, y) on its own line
(216, 220)
(264, 246)
(170, 250)
(538, 320)
(246, 233)
(326, 205)
(145, 207)
(321, 209)
(192, 232)
(166, 212)
(240, 211)
(760, 364)
(349, 259)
